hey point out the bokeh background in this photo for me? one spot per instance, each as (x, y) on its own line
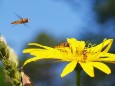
(51, 22)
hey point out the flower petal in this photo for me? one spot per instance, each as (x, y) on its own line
(39, 45)
(76, 45)
(30, 50)
(107, 57)
(102, 67)
(45, 54)
(101, 46)
(36, 49)
(69, 68)
(30, 60)
(88, 68)
(108, 46)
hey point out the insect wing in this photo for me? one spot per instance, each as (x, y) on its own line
(18, 16)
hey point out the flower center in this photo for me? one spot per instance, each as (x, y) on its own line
(84, 55)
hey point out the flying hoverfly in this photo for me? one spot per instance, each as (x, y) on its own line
(20, 21)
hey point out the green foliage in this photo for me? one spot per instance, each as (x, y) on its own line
(3, 50)
(105, 10)
(9, 66)
(3, 79)
(45, 39)
(12, 72)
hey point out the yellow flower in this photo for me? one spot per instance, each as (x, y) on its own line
(75, 52)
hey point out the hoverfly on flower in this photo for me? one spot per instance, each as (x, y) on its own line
(65, 44)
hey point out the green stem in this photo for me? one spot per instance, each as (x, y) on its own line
(78, 77)
(78, 70)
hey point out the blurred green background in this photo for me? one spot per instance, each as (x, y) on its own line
(47, 73)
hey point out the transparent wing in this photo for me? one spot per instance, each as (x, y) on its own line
(18, 16)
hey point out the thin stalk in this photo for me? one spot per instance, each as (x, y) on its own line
(78, 70)
(78, 77)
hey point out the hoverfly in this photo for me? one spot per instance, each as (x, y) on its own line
(20, 21)
(63, 44)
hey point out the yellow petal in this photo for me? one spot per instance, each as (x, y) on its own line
(30, 50)
(47, 54)
(109, 60)
(30, 60)
(107, 57)
(88, 68)
(69, 68)
(39, 45)
(109, 46)
(36, 49)
(76, 45)
(101, 46)
(102, 67)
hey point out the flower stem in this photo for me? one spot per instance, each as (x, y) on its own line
(78, 73)
(78, 77)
